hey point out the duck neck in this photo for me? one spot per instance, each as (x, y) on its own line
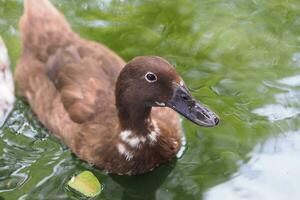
(136, 118)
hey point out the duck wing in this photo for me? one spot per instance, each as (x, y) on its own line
(85, 83)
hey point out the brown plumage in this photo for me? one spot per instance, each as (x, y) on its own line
(70, 84)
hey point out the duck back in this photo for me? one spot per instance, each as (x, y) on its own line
(63, 77)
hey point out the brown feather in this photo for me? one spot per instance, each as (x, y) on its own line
(70, 85)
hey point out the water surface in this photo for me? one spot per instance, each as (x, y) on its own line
(240, 57)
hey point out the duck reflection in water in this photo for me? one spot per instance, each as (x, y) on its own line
(144, 187)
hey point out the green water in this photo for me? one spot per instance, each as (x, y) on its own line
(240, 57)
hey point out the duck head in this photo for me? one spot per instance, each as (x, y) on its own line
(149, 81)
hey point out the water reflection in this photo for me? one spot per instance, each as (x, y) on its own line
(144, 187)
(272, 172)
(287, 102)
(291, 81)
(26, 149)
(276, 112)
(240, 57)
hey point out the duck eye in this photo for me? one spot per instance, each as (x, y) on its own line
(150, 77)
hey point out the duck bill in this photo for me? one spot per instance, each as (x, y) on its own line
(183, 103)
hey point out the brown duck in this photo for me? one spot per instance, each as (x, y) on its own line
(114, 115)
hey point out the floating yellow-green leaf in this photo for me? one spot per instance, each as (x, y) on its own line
(86, 183)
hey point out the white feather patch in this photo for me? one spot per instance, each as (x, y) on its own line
(131, 140)
(153, 135)
(123, 151)
(125, 135)
(160, 103)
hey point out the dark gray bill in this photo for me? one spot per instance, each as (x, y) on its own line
(186, 105)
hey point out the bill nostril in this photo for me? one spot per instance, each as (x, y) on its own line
(216, 120)
(184, 97)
